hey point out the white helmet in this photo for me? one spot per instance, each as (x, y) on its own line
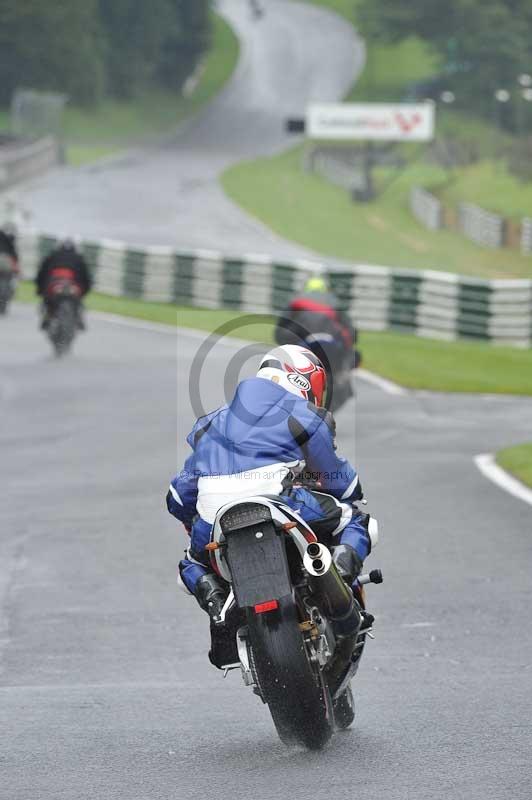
(298, 370)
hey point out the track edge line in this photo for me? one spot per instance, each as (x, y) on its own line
(485, 463)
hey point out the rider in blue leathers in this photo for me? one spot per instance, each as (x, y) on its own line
(274, 428)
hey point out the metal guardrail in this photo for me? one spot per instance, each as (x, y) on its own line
(526, 236)
(339, 167)
(475, 223)
(21, 161)
(431, 304)
(426, 208)
(481, 226)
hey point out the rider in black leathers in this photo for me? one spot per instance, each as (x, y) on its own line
(64, 257)
(8, 244)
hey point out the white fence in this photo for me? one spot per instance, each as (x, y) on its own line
(433, 304)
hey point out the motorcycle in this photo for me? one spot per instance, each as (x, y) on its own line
(296, 631)
(62, 310)
(8, 281)
(257, 11)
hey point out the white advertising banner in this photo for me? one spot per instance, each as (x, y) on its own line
(398, 122)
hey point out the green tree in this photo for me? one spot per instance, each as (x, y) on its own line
(185, 44)
(135, 32)
(87, 47)
(51, 46)
(483, 44)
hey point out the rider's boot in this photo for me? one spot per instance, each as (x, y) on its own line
(347, 617)
(224, 650)
(211, 595)
(349, 565)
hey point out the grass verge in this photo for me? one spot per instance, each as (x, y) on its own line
(411, 361)
(79, 154)
(308, 209)
(517, 461)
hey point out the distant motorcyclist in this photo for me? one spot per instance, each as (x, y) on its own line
(275, 430)
(317, 309)
(316, 320)
(9, 267)
(8, 246)
(257, 10)
(64, 262)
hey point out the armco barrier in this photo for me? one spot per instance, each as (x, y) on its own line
(433, 304)
(526, 236)
(22, 161)
(426, 208)
(476, 224)
(481, 226)
(336, 166)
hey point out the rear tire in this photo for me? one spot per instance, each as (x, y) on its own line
(5, 295)
(294, 689)
(62, 328)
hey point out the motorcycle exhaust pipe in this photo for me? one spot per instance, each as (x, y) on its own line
(333, 597)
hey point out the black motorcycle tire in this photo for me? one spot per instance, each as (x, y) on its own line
(344, 709)
(5, 295)
(62, 327)
(342, 391)
(294, 688)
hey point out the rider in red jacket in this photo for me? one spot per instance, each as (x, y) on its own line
(316, 310)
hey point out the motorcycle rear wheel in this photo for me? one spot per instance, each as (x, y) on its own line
(5, 295)
(62, 329)
(294, 688)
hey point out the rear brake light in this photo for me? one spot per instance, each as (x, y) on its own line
(269, 605)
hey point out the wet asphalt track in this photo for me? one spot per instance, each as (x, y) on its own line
(170, 195)
(106, 691)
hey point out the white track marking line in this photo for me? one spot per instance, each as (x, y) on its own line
(417, 624)
(382, 383)
(230, 341)
(485, 462)
(134, 322)
(162, 327)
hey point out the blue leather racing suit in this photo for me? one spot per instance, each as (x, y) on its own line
(254, 446)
